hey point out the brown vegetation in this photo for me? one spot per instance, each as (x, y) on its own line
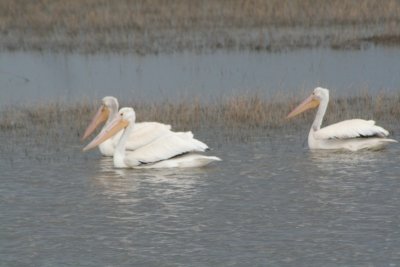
(170, 25)
(238, 114)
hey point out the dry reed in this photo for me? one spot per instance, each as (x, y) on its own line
(237, 115)
(159, 25)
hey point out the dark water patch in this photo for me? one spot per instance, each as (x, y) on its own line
(385, 39)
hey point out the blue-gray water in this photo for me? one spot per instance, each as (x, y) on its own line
(270, 202)
(27, 77)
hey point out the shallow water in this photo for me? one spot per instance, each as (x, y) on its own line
(270, 202)
(27, 77)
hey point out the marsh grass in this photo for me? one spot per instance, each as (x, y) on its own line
(236, 116)
(171, 25)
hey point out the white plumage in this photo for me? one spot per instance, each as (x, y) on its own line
(143, 133)
(168, 151)
(351, 129)
(184, 161)
(165, 147)
(355, 134)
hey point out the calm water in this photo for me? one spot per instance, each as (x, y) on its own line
(30, 77)
(271, 202)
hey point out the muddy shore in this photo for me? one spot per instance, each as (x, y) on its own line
(156, 26)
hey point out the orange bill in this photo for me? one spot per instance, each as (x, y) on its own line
(309, 102)
(100, 117)
(114, 127)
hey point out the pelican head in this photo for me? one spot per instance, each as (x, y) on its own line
(319, 94)
(124, 117)
(109, 106)
(110, 102)
(127, 114)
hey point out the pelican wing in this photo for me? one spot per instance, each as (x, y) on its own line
(199, 146)
(351, 129)
(144, 133)
(163, 148)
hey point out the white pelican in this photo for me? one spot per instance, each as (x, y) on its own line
(352, 135)
(143, 133)
(168, 151)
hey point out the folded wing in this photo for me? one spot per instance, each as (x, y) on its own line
(165, 147)
(144, 133)
(351, 129)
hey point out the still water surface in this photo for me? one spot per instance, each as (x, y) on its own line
(27, 77)
(271, 202)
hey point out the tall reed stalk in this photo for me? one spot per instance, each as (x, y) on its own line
(249, 111)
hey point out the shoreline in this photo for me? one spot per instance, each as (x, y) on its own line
(272, 40)
(156, 26)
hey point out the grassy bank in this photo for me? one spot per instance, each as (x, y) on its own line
(237, 115)
(151, 26)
